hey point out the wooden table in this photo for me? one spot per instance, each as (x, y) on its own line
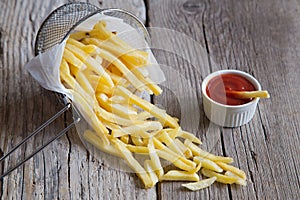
(259, 37)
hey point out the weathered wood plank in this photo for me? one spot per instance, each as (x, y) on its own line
(134, 6)
(65, 169)
(267, 48)
(260, 37)
(22, 107)
(193, 65)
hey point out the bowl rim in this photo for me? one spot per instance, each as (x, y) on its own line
(246, 75)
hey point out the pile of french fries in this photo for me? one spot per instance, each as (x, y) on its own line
(104, 73)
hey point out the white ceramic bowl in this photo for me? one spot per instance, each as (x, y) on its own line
(229, 115)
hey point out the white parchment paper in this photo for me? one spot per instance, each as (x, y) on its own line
(45, 67)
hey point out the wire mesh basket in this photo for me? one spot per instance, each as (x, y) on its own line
(54, 30)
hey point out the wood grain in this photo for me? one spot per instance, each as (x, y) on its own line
(259, 37)
(65, 169)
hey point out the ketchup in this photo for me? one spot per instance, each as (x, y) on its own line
(218, 87)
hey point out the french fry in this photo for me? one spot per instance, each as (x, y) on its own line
(79, 35)
(189, 136)
(145, 126)
(75, 43)
(92, 138)
(186, 151)
(165, 138)
(103, 114)
(232, 169)
(118, 80)
(145, 140)
(196, 169)
(93, 51)
(137, 149)
(103, 73)
(144, 135)
(248, 94)
(65, 74)
(147, 81)
(129, 55)
(133, 163)
(173, 132)
(125, 139)
(137, 140)
(116, 109)
(90, 63)
(123, 111)
(102, 100)
(105, 89)
(208, 164)
(154, 158)
(150, 171)
(220, 177)
(72, 83)
(99, 60)
(72, 59)
(74, 70)
(110, 125)
(155, 111)
(119, 100)
(174, 160)
(176, 175)
(87, 111)
(93, 78)
(85, 84)
(113, 69)
(200, 184)
(125, 71)
(177, 160)
(99, 31)
(239, 180)
(144, 115)
(199, 152)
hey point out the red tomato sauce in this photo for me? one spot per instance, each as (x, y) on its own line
(217, 87)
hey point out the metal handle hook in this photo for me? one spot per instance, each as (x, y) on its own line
(68, 105)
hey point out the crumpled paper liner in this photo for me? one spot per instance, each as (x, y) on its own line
(45, 69)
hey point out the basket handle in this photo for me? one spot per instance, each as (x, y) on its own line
(76, 119)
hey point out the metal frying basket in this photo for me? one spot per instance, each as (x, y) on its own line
(55, 29)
